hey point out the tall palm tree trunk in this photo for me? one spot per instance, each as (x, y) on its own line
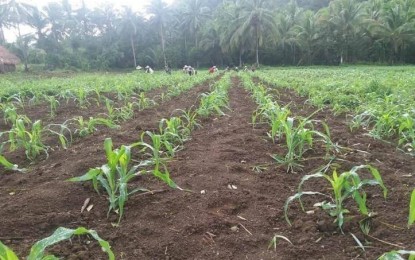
(257, 48)
(2, 39)
(163, 44)
(132, 47)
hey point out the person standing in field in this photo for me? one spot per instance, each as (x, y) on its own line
(213, 69)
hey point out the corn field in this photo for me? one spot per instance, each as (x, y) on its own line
(280, 163)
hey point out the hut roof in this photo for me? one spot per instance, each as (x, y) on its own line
(8, 57)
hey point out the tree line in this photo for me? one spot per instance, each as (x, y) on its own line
(214, 32)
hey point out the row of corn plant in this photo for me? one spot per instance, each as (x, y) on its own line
(217, 100)
(378, 99)
(154, 150)
(29, 136)
(382, 117)
(299, 134)
(32, 142)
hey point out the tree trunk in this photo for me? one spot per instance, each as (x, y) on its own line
(257, 49)
(162, 44)
(2, 39)
(240, 57)
(293, 46)
(132, 47)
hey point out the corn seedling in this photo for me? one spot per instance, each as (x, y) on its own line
(398, 255)
(8, 165)
(411, 218)
(189, 121)
(87, 127)
(172, 130)
(37, 252)
(62, 132)
(110, 108)
(53, 103)
(407, 133)
(144, 102)
(30, 140)
(274, 241)
(81, 98)
(156, 147)
(346, 185)
(9, 113)
(125, 112)
(16, 99)
(114, 177)
(298, 140)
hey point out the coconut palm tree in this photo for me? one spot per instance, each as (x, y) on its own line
(193, 16)
(345, 19)
(308, 36)
(397, 28)
(256, 20)
(159, 12)
(15, 13)
(128, 25)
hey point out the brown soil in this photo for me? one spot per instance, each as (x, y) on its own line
(211, 221)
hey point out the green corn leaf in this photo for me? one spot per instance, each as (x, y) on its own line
(90, 175)
(6, 253)
(397, 255)
(165, 177)
(37, 251)
(361, 202)
(294, 197)
(122, 199)
(411, 219)
(8, 165)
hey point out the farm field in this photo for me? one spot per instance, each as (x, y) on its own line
(233, 147)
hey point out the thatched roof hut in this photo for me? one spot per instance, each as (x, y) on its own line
(8, 60)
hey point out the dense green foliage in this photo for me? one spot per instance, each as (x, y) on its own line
(202, 32)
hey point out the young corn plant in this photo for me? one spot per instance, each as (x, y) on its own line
(30, 140)
(213, 102)
(299, 138)
(407, 133)
(81, 97)
(53, 104)
(110, 109)
(87, 127)
(125, 112)
(62, 131)
(8, 165)
(37, 252)
(113, 177)
(154, 150)
(9, 113)
(189, 121)
(347, 185)
(172, 130)
(398, 255)
(144, 102)
(411, 218)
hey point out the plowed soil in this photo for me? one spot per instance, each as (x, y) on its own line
(232, 208)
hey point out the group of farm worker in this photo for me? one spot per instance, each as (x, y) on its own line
(192, 71)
